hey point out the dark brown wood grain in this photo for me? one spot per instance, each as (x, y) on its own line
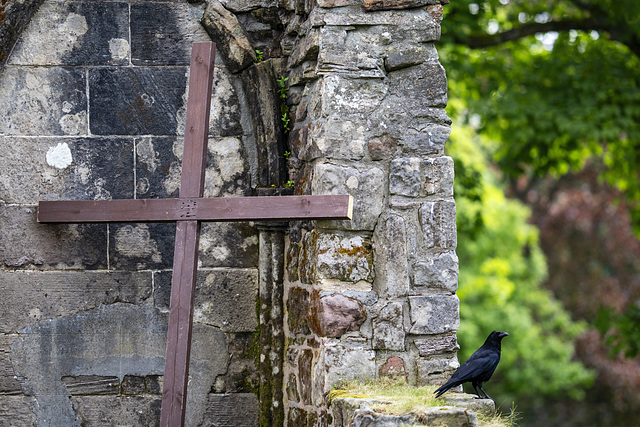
(271, 208)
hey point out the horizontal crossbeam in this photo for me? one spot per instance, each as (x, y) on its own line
(267, 208)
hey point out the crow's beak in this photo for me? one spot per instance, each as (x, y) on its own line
(504, 334)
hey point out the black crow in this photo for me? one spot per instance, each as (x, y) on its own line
(479, 367)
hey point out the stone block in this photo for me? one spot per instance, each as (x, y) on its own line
(305, 50)
(435, 370)
(388, 328)
(111, 410)
(344, 258)
(421, 86)
(335, 314)
(346, 362)
(226, 298)
(224, 244)
(393, 368)
(346, 97)
(230, 36)
(76, 33)
(133, 384)
(66, 169)
(139, 246)
(9, 383)
(366, 185)
(431, 346)
(440, 272)
(92, 385)
(407, 56)
(434, 314)
(353, 16)
(242, 375)
(470, 401)
(415, 177)
(337, 139)
(438, 176)
(31, 297)
(43, 101)
(136, 101)
(162, 33)
(297, 311)
(24, 243)
(438, 223)
(371, 5)
(17, 411)
(231, 410)
(392, 265)
(449, 416)
(305, 364)
(405, 177)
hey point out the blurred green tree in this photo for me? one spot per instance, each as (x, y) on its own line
(556, 85)
(501, 272)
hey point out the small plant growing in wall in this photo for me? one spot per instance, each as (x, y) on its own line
(259, 57)
(284, 108)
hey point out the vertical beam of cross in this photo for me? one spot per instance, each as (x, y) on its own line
(185, 262)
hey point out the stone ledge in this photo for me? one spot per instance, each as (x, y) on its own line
(460, 412)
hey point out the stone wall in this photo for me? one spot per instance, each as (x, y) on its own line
(96, 94)
(374, 296)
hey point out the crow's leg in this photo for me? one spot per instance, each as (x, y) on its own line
(475, 387)
(484, 392)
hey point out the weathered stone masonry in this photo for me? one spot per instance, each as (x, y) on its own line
(95, 95)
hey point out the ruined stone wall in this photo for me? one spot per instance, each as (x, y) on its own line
(374, 296)
(94, 97)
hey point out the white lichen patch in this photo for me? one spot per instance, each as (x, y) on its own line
(147, 155)
(73, 124)
(59, 156)
(119, 49)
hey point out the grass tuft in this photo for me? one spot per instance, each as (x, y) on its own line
(397, 398)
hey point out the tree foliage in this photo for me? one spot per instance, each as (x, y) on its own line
(558, 82)
(501, 272)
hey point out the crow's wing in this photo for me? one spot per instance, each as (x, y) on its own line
(481, 363)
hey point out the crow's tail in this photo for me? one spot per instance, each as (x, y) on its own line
(444, 388)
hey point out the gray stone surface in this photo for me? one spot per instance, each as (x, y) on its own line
(97, 411)
(147, 102)
(230, 410)
(225, 297)
(66, 168)
(390, 240)
(438, 224)
(345, 258)
(163, 33)
(344, 362)
(230, 36)
(18, 411)
(388, 328)
(43, 101)
(434, 314)
(30, 297)
(428, 347)
(26, 244)
(439, 272)
(364, 184)
(76, 33)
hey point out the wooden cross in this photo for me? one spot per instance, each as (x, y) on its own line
(188, 211)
